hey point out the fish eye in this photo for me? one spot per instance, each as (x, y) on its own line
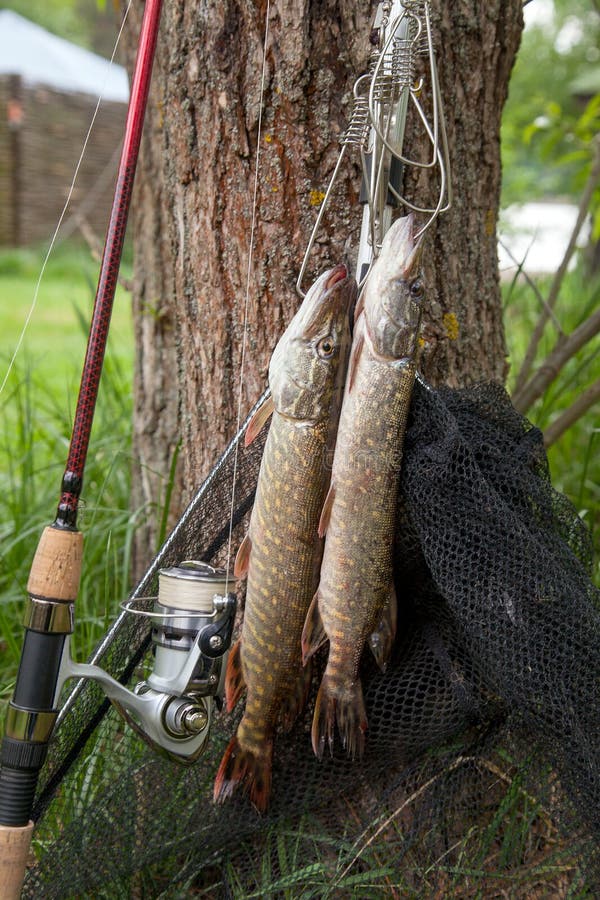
(326, 347)
(416, 289)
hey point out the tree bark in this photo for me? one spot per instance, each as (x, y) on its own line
(193, 209)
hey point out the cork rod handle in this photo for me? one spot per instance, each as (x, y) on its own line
(56, 567)
(15, 844)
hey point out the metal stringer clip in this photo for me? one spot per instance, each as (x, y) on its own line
(402, 73)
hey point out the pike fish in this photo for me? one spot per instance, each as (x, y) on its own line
(355, 600)
(282, 551)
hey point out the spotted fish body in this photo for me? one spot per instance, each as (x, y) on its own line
(356, 572)
(282, 550)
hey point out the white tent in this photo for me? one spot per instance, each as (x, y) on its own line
(40, 57)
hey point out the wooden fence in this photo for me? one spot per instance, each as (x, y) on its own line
(41, 136)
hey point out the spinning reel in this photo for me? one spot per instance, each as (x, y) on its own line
(192, 624)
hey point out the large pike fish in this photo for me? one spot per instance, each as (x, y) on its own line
(355, 599)
(282, 551)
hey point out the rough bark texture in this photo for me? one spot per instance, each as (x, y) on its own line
(193, 208)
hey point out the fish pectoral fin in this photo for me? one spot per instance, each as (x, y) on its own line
(313, 633)
(381, 639)
(258, 420)
(242, 768)
(234, 676)
(326, 511)
(242, 559)
(293, 704)
(357, 345)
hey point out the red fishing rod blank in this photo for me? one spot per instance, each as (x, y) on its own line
(109, 270)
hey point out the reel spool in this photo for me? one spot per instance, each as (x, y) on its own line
(193, 619)
(191, 604)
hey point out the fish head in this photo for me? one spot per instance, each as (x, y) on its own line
(311, 356)
(394, 293)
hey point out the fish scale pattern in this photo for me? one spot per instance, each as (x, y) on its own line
(481, 775)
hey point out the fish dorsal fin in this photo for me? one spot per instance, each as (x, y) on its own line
(326, 511)
(234, 676)
(242, 560)
(357, 345)
(313, 635)
(382, 638)
(258, 420)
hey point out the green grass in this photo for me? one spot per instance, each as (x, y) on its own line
(54, 343)
(36, 411)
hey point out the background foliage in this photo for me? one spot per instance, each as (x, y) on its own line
(90, 23)
(553, 109)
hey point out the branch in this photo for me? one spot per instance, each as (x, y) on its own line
(564, 349)
(584, 204)
(572, 414)
(531, 283)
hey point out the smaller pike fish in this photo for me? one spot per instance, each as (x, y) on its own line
(358, 516)
(282, 550)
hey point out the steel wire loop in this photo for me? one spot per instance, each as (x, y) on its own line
(401, 81)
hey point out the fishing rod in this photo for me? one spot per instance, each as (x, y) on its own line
(193, 614)
(55, 573)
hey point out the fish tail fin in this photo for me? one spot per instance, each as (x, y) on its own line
(294, 703)
(346, 705)
(313, 633)
(381, 639)
(243, 769)
(234, 676)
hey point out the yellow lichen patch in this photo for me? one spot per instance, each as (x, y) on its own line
(490, 222)
(315, 198)
(451, 326)
(268, 138)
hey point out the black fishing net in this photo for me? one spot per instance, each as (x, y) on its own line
(481, 773)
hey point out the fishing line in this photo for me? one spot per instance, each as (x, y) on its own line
(247, 297)
(67, 202)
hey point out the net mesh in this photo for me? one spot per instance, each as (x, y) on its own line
(481, 773)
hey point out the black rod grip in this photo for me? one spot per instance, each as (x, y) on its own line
(38, 670)
(17, 793)
(29, 726)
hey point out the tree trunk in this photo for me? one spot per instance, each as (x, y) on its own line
(193, 209)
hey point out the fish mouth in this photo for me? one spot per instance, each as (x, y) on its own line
(404, 246)
(339, 288)
(339, 273)
(333, 294)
